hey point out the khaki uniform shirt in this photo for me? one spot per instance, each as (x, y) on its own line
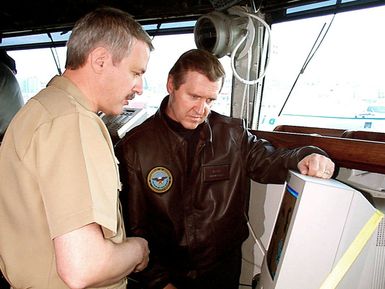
(58, 172)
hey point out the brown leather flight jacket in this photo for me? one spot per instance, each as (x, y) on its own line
(193, 219)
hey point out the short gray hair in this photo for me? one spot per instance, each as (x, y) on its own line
(108, 27)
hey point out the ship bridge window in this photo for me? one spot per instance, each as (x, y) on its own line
(327, 71)
(289, 10)
(41, 56)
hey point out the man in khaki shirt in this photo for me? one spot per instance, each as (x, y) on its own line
(61, 225)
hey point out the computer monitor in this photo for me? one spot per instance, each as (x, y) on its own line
(317, 221)
(119, 125)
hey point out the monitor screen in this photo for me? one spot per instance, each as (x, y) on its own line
(317, 222)
(280, 229)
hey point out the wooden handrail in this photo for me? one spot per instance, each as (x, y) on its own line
(350, 153)
(345, 151)
(366, 135)
(310, 130)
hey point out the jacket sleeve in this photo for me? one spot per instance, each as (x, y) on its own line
(266, 164)
(135, 210)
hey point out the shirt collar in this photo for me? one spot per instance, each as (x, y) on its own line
(64, 83)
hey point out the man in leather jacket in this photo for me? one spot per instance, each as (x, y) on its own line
(186, 178)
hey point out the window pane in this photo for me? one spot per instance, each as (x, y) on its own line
(162, 59)
(35, 67)
(343, 84)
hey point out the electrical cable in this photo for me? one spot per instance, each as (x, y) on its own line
(245, 98)
(257, 241)
(255, 9)
(233, 53)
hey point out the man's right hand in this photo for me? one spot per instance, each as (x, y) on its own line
(143, 252)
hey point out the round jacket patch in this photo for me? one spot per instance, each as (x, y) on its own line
(159, 179)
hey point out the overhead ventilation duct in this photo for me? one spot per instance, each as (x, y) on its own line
(233, 33)
(220, 32)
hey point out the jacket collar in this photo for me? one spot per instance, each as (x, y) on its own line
(206, 135)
